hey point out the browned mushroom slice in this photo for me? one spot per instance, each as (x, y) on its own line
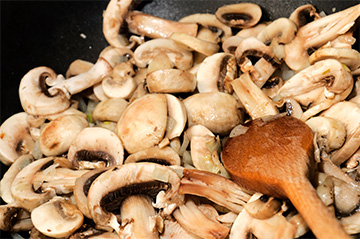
(155, 27)
(191, 218)
(96, 147)
(217, 111)
(15, 138)
(57, 135)
(301, 15)
(241, 15)
(110, 188)
(165, 156)
(215, 188)
(14, 218)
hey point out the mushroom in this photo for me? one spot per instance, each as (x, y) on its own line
(15, 138)
(348, 114)
(178, 55)
(351, 223)
(35, 97)
(77, 67)
(111, 187)
(301, 15)
(177, 117)
(165, 156)
(230, 44)
(22, 189)
(113, 18)
(216, 72)
(214, 187)
(116, 55)
(10, 174)
(239, 15)
(137, 215)
(110, 109)
(318, 86)
(191, 218)
(57, 135)
(282, 30)
(204, 47)
(217, 111)
(143, 123)
(14, 218)
(264, 207)
(57, 218)
(170, 81)
(155, 27)
(256, 103)
(173, 230)
(317, 33)
(96, 147)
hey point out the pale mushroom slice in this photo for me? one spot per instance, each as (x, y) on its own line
(348, 114)
(239, 15)
(214, 187)
(143, 123)
(22, 188)
(217, 111)
(110, 109)
(77, 67)
(57, 135)
(58, 218)
(216, 72)
(15, 138)
(96, 147)
(281, 30)
(302, 14)
(137, 215)
(164, 156)
(35, 97)
(209, 21)
(172, 229)
(116, 55)
(230, 44)
(256, 103)
(170, 81)
(351, 223)
(317, 33)
(155, 27)
(191, 218)
(177, 117)
(113, 18)
(179, 56)
(10, 174)
(111, 187)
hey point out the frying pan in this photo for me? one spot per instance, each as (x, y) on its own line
(55, 33)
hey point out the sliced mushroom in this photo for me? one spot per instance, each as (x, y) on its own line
(137, 215)
(111, 187)
(177, 117)
(215, 188)
(180, 57)
(165, 156)
(252, 31)
(348, 114)
(15, 138)
(172, 229)
(96, 147)
(77, 67)
(256, 103)
(113, 18)
(143, 123)
(34, 96)
(10, 174)
(282, 30)
(351, 223)
(301, 15)
(58, 218)
(191, 218)
(216, 72)
(217, 111)
(110, 109)
(155, 27)
(210, 22)
(14, 218)
(22, 188)
(57, 135)
(346, 196)
(264, 207)
(116, 55)
(230, 44)
(170, 81)
(240, 15)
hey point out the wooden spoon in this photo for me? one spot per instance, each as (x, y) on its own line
(274, 157)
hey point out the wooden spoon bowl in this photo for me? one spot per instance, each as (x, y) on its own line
(275, 157)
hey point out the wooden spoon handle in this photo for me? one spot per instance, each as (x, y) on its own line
(319, 219)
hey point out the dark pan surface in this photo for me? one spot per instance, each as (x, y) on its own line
(48, 33)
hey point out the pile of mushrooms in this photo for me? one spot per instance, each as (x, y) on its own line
(130, 146)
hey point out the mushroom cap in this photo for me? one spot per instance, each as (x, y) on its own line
(34, 96)
(96, 144)
(143, 123)
(240, 15)
(57, 218)
(110, 109)
(217, 111)
(165, 156)
(15, 138)
(57, 136)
